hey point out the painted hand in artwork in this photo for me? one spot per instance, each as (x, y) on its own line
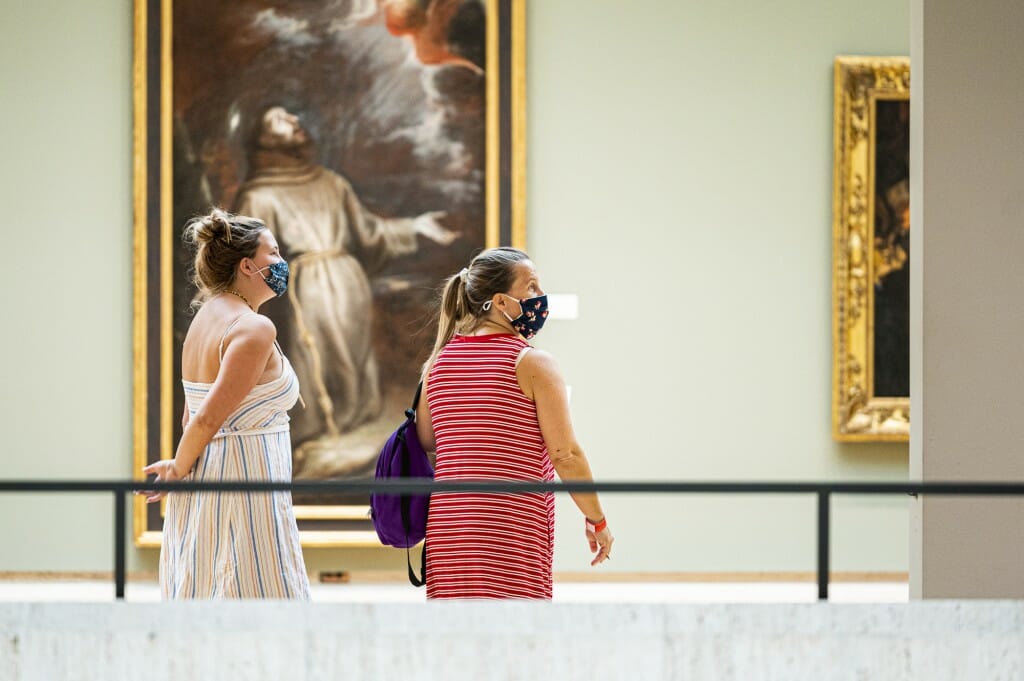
(429, 226)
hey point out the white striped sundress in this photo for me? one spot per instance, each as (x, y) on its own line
(238, 545)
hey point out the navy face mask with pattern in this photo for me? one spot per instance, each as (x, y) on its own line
(535, 313)
(277, 280)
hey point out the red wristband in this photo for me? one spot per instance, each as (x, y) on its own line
(597, 527)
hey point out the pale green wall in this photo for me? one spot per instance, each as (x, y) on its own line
(65, 212)
(679, 183)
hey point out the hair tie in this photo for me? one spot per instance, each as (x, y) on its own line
(464, 275)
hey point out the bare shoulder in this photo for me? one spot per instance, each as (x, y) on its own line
(256, 329)
(539, 363)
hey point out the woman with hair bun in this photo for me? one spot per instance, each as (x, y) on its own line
(497, 409)
(238, 389)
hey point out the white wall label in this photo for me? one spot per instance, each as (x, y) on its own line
(563, 306)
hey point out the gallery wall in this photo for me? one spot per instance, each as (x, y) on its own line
(679, 183)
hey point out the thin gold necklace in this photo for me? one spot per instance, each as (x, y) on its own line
(244, 299)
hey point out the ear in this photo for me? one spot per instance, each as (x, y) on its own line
(246, 266)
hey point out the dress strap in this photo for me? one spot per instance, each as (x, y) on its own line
(280, 353)
(220, 352)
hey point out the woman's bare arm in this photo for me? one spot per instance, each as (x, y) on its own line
(245, 359)
(425, 427)
(543, 383)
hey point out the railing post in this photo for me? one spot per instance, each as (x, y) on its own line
(119, 539)
(823, 544)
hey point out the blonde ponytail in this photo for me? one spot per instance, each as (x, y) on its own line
(454, 310)
(464, 294)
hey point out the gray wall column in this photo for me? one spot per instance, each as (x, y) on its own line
(967, 293)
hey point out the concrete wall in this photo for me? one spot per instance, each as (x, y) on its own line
(679, 183)
(933, 641)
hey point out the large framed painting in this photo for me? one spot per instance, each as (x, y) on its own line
(383, 143)
(871, 250)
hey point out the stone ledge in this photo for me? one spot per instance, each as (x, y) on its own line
(933, 640)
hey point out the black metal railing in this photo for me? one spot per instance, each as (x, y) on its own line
(823, 491)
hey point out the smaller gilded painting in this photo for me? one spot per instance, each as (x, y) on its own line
(871, 250)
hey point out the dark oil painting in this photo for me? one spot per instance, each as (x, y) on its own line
(892, 249)
(356, 130)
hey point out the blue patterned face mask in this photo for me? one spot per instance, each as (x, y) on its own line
(534, 314)
(277, 280)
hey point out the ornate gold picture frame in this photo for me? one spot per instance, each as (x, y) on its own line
(870, 257)
(418, 108)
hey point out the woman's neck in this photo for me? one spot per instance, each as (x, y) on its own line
(491, 326)
(250, 293)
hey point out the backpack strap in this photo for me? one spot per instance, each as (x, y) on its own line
(406, 501)
(410, 413)
(417, 581)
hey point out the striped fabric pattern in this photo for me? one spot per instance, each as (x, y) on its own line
(238, 545)
(487, 545)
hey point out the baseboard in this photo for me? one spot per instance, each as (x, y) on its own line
(728, 577)
(72, 576)
(396, 576)
(596, 576)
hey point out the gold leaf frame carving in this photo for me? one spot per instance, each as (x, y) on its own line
(152, 73)
(858, 415)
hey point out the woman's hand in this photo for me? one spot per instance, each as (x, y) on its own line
(165, 471)
(601, 544)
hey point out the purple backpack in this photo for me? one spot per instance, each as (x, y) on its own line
(401, 519)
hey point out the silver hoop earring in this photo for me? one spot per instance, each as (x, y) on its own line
(486, 307)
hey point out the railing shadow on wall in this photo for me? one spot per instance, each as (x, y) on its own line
(823, 491)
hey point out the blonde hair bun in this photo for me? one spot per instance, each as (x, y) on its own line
(221, 240)
(212, 227)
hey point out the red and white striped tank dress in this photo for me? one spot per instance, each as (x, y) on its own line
(487, 545)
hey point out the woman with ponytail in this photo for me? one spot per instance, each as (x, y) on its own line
(497, 409)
